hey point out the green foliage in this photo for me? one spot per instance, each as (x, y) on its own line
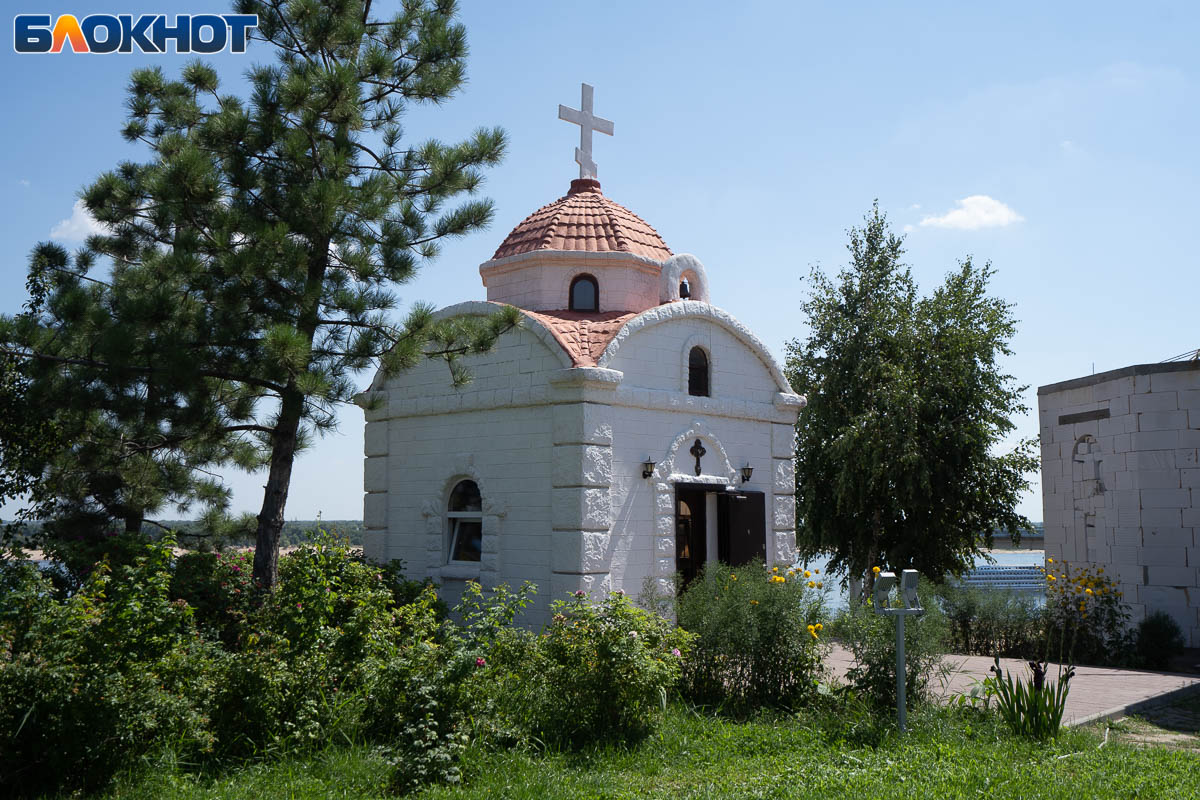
(125, 436)
(991, 622)
(219, 589)
(757, 637)
(897, 460)
(871, 639)
(1031, 708)
(1087, 619)
(96, 680)
(254, 255)
(598, 672)
(946, 753)
(1157, 641)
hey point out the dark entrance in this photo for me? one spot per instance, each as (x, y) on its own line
(741, 535)
(690, 532)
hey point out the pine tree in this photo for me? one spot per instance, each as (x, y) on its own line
(118, 434)
(896, 452)
(282, 221)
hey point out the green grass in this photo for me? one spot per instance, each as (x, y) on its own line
(946, 754)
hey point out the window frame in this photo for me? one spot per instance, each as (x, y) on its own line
(453, 520)
(571, 292)
(707, 371)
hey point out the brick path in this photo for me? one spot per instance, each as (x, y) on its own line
(1096, 692)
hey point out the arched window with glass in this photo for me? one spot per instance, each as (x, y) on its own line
(464, 523)
(585, 294)
(698, 377)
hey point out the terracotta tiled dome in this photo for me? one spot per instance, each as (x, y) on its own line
(585, 220)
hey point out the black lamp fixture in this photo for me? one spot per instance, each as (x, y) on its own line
(747, 471)
(647, 468)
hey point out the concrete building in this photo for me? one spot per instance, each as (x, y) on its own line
(1121, 482)
(627, 431)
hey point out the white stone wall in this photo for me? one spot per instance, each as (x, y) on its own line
(1121, 483)
(557, 453)
(654, 358)
(541, 280)
(496, 431)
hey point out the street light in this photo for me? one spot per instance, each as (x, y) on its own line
(911, 606)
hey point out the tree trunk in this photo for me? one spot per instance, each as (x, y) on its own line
(279, 479)
(283, 440)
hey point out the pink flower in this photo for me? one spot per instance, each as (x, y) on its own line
(298, 605)
(480, 661)
(675, 652)
(579, 593)
(633, 634)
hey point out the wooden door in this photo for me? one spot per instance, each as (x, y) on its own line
(742, 527)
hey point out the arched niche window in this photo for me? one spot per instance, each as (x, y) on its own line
(464, 522)
(585, 294)
(698, 385)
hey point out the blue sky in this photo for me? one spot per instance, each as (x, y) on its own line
(1057, 140)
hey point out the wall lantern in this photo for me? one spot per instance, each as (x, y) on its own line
(747, 471)
(647, 468)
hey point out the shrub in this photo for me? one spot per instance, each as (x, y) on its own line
(1086, 617)
(597, 672)
(220, 590)
(991, 622)
(871, 638)
(306, 656)
(94, 681)
(1031, 708)
(758, 637)
(423, 695)
(1157, 641)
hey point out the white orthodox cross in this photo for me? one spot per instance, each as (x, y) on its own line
(587, 123)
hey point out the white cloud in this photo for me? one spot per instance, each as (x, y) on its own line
(909, 229)
(78, 226)
(24, 182)
(975, 212)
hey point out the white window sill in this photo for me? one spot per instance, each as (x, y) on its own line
(460, 571)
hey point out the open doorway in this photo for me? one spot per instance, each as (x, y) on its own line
(711, 521)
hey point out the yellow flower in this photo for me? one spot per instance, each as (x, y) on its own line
(820, 585)
(1049, 560)
(818, 626)
(812, 584)
(807, 574)
(1100, 571)
(734, 577)
(875, 570)
(774, 569)
(816, 572)
(1089, 591)
(753, 602)
(1051, 578)
(812, 628)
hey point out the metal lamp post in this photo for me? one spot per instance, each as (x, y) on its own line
(910, 606)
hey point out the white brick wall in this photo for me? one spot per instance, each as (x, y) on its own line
(1145, 506)
(558, 457)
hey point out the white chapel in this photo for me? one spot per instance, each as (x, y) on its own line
(628, 430)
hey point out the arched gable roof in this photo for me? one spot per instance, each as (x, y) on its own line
(689, 309)
(483, 308)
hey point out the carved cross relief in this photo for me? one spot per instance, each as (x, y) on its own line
(698, 451)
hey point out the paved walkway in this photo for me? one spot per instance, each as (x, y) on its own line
(1096, 692)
